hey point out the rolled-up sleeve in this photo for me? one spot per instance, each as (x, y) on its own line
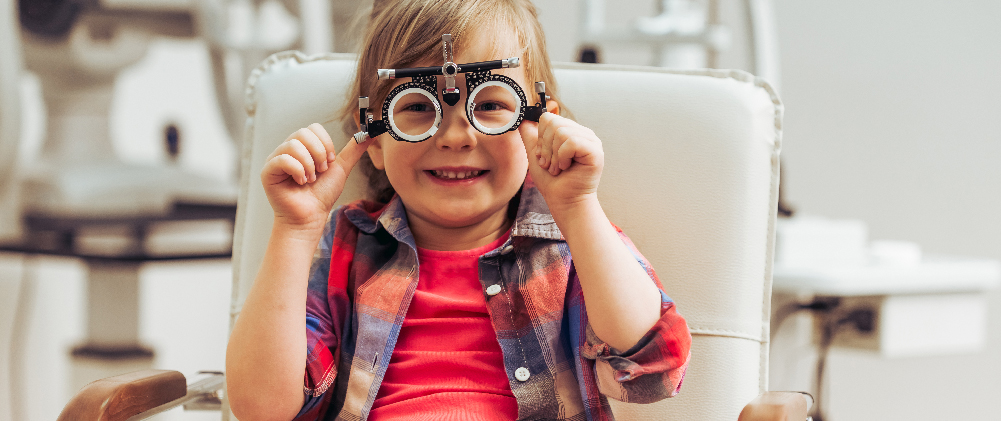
(326, 309)
(654, 368)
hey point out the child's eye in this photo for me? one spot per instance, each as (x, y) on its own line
(490, 106)
(418, 108)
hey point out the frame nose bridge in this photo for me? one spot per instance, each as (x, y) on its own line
(461, 93)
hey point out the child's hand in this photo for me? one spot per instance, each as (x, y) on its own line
(303, 177)
(564, 159)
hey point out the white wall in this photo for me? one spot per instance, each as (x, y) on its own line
(893, 116)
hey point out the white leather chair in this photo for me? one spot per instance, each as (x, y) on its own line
(691, 175)
(10, 120)
(10, 207)
(692, 167)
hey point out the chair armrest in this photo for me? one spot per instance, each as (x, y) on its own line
(121, 397)
(776, 406)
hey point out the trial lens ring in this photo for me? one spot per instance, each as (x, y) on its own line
(471, 103)
(420, 137)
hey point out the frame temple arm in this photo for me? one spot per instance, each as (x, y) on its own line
(385, 74)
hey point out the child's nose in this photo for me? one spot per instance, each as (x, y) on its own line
(455, 132)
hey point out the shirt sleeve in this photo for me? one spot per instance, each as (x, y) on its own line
(327, 307)
(654, 368)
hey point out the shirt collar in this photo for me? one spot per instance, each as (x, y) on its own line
(533, 218)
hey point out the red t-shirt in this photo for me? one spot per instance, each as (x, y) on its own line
(447, 364)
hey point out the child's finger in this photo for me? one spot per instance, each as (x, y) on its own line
(331, 183)
(281, 167)
(574, 149)
(317, 151)
(328, 144)
(561, 136)
(350, 155)
(529, 131)
(295, 149)
(557, 132)
(546, 128)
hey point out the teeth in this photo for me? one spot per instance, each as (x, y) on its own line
(452, 175)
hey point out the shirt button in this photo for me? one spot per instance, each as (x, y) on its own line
(507, 249)
(522, 374)
(493, 289)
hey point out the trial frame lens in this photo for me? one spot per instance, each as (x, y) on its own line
(419, 86)
(403, 133)
(489, 128)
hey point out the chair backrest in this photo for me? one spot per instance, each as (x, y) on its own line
(10, 120)
(691, 175)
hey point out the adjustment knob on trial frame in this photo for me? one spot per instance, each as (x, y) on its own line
(450, 94)
(534, 112)
(369, 128)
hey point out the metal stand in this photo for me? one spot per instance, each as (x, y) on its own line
(112, 344)
(831, 318)
(113, 312)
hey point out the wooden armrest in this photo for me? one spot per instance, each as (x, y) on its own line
(776, 406)
(121, 397)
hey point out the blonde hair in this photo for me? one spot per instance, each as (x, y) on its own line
(403, 32)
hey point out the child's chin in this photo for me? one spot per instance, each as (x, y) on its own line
(458, 216)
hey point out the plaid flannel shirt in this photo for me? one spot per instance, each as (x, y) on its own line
(364, 275)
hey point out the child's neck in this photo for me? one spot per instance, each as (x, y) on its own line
(433, 236)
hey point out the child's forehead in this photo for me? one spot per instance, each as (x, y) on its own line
(487, 44)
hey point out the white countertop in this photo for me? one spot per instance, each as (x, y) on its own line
(932, 275)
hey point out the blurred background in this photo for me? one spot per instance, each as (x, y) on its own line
(118, 140)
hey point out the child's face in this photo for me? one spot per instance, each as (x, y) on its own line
(459, 176)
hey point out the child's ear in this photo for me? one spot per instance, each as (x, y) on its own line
(553, 106)
(375, 153)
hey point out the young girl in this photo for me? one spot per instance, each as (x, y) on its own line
(467, 290)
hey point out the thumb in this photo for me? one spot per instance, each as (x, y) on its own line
(332, 181)
(530, 136)
(350, 154)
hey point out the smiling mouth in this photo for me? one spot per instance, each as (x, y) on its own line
(456, 175)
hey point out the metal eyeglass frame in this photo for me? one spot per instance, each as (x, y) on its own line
(424, 81)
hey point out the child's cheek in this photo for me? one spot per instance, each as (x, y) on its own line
(517, 150)
(519, 159)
